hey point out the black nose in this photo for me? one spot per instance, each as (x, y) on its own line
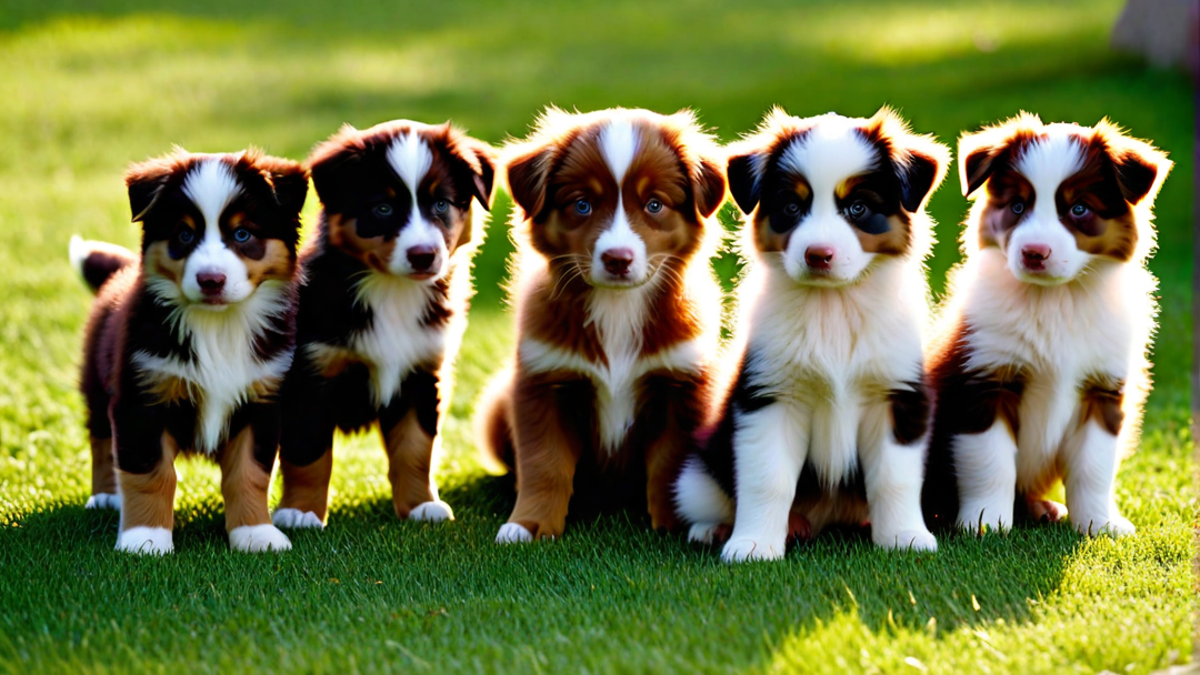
(617, 260)
(421, 258)
(211, 283)
(818, 257)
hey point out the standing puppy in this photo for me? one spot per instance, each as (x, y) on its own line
(1041, 363)
(186, 348)
(383, 307)
(618, 314)
(830, 391)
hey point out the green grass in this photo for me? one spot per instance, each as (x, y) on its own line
(87, 90)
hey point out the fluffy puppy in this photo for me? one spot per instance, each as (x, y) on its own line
(825, 421)
(618, 314)
(187, 344)
(1040, 365)
(383, 307)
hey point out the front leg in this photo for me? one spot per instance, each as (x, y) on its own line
(548, 431)
(145, 455)
(673, 410)
(1089, 465)
(409, 425)
(308, 402)
(986, 464)
(770, 446)
(893, 474)
(246, 462)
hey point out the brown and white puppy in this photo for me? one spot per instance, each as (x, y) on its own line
(383, 307)
(618, 313)
(1041, 366)
(186, 347)
(826, 421)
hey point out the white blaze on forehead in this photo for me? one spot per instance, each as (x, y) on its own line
(410, 158)
(832, 151)
(211, 185)
(1050, 160)
(618, 142)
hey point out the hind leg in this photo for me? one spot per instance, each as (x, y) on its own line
(701, 502)
(104, 476)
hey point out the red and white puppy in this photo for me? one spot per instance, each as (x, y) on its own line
(826, 421)
(618, 313)
(383, 307)
(186, 347)
(1041, 364)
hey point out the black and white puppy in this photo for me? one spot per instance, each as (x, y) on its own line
(830, 394)
(383, 307)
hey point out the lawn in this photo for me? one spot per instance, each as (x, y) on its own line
(88, 90)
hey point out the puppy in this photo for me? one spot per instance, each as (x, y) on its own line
(1040, 365)
(618, 314)
(829, 394)
(383, 307)
(187, 344)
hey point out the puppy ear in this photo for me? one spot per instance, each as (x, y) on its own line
(335, 167)
(745, 179)
(483, 179)
(528, 172)
(1140, 167)
(145, 182)
(708, 186)
(288, 179)
(982, 153)
(919, 175)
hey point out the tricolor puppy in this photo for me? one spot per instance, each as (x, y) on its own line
(826, 419)
(383, 306)
(186, 347)
(1040, 365)
(618, 314)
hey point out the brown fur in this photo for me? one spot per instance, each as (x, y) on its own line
(104, 469)
(148, 499)
(306, 488)
(244, 483)
(410, 457)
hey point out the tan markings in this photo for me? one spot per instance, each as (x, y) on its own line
(664, 459)
(1004, 188)
(244, 483)
(104, 473)
(276, 263)
(158, 261)
(306, 488)
(847, 186)
(546, 453)
(329, 361)
(410, 457)
(374, 252)
(893, 242)
(768, 240)
(1114, 237)
(1102, 400)
(166, 388)
(148, 499)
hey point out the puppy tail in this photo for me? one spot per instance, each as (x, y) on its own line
(493, 423)
(97, 261)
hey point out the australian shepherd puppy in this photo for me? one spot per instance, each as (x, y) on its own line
(826, 419)
(618, 314)
(1040, 365)
(187, 344)
(383, 307)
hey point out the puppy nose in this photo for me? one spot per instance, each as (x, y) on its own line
(818, 257)
(1034, 256)
(421, 258)
(211, 283)
(617, 260)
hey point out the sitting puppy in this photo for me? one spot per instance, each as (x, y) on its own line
(829, 395)
(1040, 366)
(186, 348)
(618, 314)
(383, 307)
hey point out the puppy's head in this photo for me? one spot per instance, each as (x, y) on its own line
(829, 195)
(1056, 197)
(616, 194)
(398, 196)
(216, 227)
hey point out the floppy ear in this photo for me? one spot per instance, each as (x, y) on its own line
(527, 176)
(977, 162)
(708, 186)
(288, 179)
(919, 176)
(745, 179)
(145, 182)
(484, 179)
(335, 167)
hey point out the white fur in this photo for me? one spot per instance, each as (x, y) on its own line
(434, 512)
(77, 252)
(513, 533)
(619, 143)
(104, 500)
(700, 500)
(295, 518)
(258, 539)
(1046, 163)
(225, 368)
(986, 464)
(411, 159)
(211, 185)
(145, 541)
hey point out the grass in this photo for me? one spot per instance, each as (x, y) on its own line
(87, 90)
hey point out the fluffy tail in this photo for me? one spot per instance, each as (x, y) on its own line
(493, 428)
(96, 261)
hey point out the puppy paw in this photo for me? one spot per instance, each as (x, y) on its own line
(104, 500)
(434, 512)
(1114, 526)
(913, 540)
(146, 541)
(975, 519)
(1046, 511)
(297, 519)
(513, 533)
(745, 550)
(258, 538)
(708, 533)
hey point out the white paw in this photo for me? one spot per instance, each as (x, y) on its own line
(914, 540)
(145, 541)
(104, 500)
(258, 538)
(744, 549)
(513, 533)
(703, 533)
(434, 512)
(295, 518)
(992, 519)
(1114, 526)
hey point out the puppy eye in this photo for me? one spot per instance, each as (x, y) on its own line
(185, 236)
(241, 235)
(583, 207)
(654, 206)
(791, 209)
(857, 210)
(1018, 208)
(382, 210)
(1079, 210)
(441, 206)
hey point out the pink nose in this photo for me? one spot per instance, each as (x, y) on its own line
(1034, 256)
(617, 260)
(819, 257)
(421, 258)
(211, 283)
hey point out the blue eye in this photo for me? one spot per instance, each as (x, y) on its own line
(654, 206)
(791, 209)
(857, 210)
(382, 210)
(583, 207)
(441, 206)
(241, 235)
(1018, 208)
(1079, 210)
(185, 236)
